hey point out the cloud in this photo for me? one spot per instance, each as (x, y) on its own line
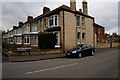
(105, 13)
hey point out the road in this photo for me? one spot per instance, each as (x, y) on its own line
(101, 65)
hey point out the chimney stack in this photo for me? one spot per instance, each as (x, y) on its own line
(85, 8)
(14, 27)
(29, 18)
(46, 10)
(73, 5)
(20, 23)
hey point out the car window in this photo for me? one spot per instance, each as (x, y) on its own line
(84, 46)
(88, 46)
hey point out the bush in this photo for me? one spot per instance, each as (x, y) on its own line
(47, 40)
(8, 46)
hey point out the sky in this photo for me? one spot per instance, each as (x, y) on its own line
(13, 11)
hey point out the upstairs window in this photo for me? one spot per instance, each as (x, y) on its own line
(34, 27)
(40, 24)
(78, 21)
(45, 24)
(83, 22)
(53, 21)
(98, 30)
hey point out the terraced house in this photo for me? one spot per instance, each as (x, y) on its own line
(71, 27)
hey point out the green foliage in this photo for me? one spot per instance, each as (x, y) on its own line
(47, 40)
(8, 46)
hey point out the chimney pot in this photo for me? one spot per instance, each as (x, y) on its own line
(14, 27)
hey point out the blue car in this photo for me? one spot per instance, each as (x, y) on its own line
(80, 51)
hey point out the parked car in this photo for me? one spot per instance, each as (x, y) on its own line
(81, 50)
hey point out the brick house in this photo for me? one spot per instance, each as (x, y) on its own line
(99, 32)
(71, 27)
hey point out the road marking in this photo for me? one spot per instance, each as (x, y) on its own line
(51, 68)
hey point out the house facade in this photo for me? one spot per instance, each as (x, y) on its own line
(71, 27)
(99, 32)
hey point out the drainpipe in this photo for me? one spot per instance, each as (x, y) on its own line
(63, 33)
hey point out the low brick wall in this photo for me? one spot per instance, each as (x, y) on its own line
(106, 45)
(34, 53)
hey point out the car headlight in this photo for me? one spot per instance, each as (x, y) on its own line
(74, 51)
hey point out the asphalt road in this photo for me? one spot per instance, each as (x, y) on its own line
(101, 65)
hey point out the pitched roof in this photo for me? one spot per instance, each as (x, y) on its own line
(97, 25)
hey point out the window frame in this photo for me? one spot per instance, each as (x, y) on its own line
(26, 37)
(83, 22)
(53, 21)
(78, 21)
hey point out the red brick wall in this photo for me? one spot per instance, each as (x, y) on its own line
(100, 35)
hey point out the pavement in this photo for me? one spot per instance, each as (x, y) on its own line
(5, 58)
(104, 64)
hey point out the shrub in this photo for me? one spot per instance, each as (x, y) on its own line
(47, 40)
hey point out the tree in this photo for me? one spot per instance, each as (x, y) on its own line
(47, 40)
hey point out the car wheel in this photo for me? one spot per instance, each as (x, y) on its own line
(79, 55)
(92, 54)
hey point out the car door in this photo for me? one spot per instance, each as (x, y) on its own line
(84, 50)
(89, 49)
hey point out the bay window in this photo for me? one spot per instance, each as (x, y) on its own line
(34, 40)
(40, 24)
(53, 21)
(34, 27)
(58, 39)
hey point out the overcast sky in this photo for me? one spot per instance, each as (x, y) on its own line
(13, 11)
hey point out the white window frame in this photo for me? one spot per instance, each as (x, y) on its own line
(58, 39)
(53, 17)
(34, 27)
(77, 21)
(32, 36)
(26, 37)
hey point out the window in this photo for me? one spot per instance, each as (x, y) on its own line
(34, 27)
(83, 38)
(45, 24)
(56, 20)
(27, 28)
(26, 39)
(78, 38)
(18, 40)
(34, 40)
(40, 24)
(83, 22)
(58, 39)
(78, 21)
(98, 30)
(53, 20)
